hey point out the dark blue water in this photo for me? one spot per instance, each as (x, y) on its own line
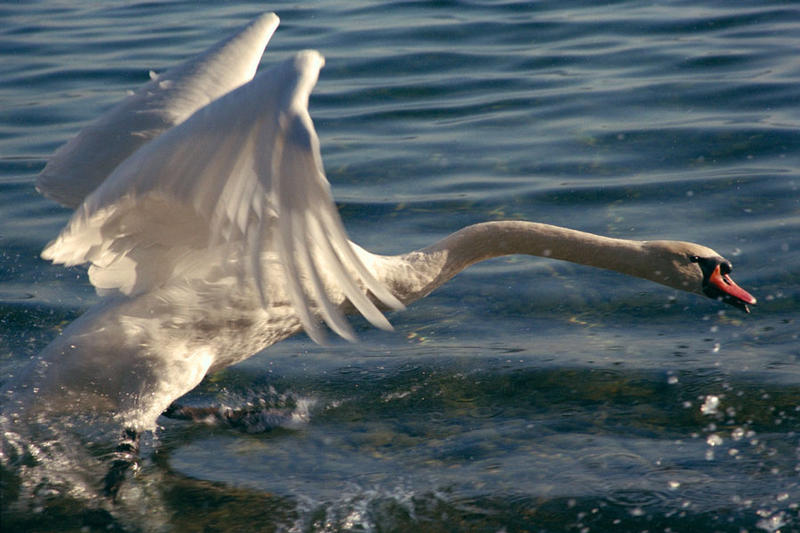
(526, 395)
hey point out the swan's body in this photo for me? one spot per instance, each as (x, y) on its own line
(219, 237)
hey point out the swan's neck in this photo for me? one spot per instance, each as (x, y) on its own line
(414, 275)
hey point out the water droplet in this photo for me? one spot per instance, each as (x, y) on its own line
(770, 522)
(710, 405)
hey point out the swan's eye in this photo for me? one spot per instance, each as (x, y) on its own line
(694, 259)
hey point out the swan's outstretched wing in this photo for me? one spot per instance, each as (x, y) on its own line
(242, 175)
(78, 167)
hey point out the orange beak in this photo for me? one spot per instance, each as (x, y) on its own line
(730, 291)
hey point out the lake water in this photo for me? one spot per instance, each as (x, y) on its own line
(525, 395)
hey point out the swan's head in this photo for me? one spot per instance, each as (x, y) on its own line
(694, 268)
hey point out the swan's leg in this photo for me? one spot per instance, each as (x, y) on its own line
(125, 457)
(211, 415)
(183, 412)
(251, 418)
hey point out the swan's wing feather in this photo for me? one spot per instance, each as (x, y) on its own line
(240, 180)
(79, 166)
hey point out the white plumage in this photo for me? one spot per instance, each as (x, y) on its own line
(209, 228)
(201, 201)
(241, 177)
(78, 167)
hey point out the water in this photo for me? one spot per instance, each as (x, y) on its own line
(526, 395)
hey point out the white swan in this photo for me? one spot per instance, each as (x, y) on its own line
(215, 236)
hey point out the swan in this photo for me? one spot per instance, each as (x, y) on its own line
(207, 222)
